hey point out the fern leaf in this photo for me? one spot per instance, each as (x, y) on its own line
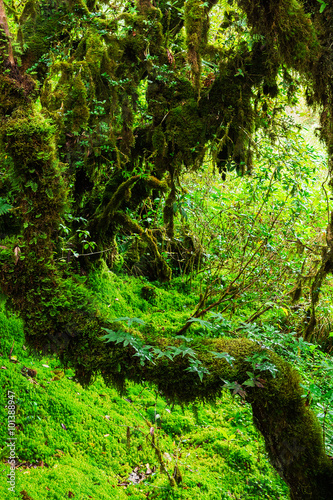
(4, 207)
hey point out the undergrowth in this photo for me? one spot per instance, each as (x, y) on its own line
(92, 443)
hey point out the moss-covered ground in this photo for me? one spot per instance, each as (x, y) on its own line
(93, 443)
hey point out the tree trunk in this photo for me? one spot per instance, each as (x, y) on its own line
(5, 29)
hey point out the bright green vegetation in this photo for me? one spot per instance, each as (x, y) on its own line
(216, 448)
(163, 223)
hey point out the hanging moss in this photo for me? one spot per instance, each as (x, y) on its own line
(196, 25)
(159, 142)
(186, 117)
(95, 49)
(145, 35)
(80, 110)
(287, 29)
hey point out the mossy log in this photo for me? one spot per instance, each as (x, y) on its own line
(292, 433)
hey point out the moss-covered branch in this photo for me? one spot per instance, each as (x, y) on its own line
(292, 433)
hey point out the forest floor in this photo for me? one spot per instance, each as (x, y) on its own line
(93, 443)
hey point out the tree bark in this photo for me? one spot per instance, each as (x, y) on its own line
(5, 29)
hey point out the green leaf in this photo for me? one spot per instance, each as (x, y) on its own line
(235, 387)
(322, 7)
(224, 355)
(183, 213)
(206, 324)
(250, 382)
(197, 367)
(130, 321)
(183, 350)
(4, 206)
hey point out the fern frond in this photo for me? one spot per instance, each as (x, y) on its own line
(4, 207)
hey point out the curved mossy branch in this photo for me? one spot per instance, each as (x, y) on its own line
(156, 184)
(122, 193)
(163, 272)
(292, 434)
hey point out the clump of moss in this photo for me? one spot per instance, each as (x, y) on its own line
(287, 29)
(148, 293)
(197, 26)
(185, 116)
(10, 95)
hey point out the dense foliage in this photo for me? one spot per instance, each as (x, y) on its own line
(106, 111)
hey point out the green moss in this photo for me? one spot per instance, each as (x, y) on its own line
(196, 25)
(80, 109)
(11, 95)
(78, 6)
(38, 34)
(29, 141)
(159, 142)
(186, 117)
(95, 49)
(287, 29)
(156, 184)
(93, 448)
